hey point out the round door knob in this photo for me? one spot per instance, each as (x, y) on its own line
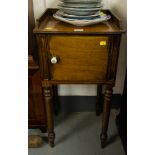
(54, 60)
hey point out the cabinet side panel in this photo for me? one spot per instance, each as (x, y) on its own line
(113, 57)
(36, 110)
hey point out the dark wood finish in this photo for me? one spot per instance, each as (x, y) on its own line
(106, 114)
(46, 83)
(50, 116)
(32, 66)
(99, 99)
(113, 57)
(55, 99)
(32, 45)
(86, 57)
(36, 110)
(30, 28)
(43, 57)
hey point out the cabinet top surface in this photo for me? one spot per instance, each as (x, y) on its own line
(47, 24)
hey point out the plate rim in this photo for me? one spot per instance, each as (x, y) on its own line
(83, 23)
(79, 1)
(81, 9)
(97, 6)
(74, 16)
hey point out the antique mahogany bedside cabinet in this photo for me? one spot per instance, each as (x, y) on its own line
(77, 55)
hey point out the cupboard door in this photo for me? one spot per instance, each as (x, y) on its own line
(79, 58)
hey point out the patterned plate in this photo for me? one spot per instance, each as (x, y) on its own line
(79, 5)
(61, 13)
(83, 22)
(82, 1)
(79, 11)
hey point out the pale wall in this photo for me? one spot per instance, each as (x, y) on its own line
(119, 7)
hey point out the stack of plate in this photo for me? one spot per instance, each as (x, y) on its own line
(81, 12)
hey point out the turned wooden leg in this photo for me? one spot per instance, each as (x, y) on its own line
(49, 114)
(106, 114)
(99, 102)
(55, 99)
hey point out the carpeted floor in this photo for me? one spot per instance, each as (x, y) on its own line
(79, 134)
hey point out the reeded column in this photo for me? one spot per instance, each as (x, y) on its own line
(106, 114)
(49, 114)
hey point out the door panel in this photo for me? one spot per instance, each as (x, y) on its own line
(79, 58)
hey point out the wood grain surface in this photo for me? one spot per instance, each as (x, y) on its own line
(80, 58)
(88, 56)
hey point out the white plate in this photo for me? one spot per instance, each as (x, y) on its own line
(82, 1)
(61, 13)
(83, 22)
(82, 5)
(79, 11)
